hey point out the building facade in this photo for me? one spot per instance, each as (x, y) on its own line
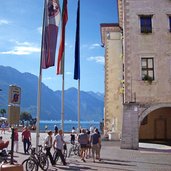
(146, 49)
(112, 41)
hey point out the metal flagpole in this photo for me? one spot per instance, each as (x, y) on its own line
(39, 88)
(62, 109)
(79, 104)
(38, 108)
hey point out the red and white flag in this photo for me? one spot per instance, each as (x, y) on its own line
(61, 53)
(50, 33)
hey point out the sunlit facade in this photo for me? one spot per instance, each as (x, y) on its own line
(146, 71)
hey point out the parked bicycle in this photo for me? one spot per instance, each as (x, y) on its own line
(56, 156)
(36, 160)
(5, 157)
(74, 149)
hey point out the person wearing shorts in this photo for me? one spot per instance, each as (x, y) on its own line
(83, 140)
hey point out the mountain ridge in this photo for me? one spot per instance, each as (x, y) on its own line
(91, 104)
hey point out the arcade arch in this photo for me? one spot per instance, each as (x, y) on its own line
(155, 124)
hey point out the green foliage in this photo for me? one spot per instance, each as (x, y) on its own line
(2, 111)
(148, 78)
(25, 116)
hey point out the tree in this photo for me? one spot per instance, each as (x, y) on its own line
(2, 111)
(25, 116)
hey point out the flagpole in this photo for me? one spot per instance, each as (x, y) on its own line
(38, 108)
(77, 59)
(62, 109)
(39, 88)
(79, 104)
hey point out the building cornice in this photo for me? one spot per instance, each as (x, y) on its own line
(107, 28)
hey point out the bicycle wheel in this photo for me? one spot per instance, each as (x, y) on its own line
(55, 157)
(30, 165)
(43, 162)
(77, 150)
(70, 151)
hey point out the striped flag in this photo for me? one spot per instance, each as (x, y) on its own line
(51, 22)
(77, 46)
(61, 54)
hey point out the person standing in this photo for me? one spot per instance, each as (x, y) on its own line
(16, 139)
(83, 140)
(3, 144)
(73, 135)
(58, 145)
(55, 130)
(48, 146)
(96, 144)
(26, 138)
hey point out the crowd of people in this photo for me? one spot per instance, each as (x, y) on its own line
(90, 143)
(89, 140)
(4, 125)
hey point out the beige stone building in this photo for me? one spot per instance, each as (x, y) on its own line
(146, 70)
(112, 41)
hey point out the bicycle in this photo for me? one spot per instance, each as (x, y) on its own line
(36, 160)
(5, 157)
(75, 148)
(56, 156)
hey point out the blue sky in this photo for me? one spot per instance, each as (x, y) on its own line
(20, 40)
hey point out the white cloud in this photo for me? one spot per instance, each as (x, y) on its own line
(68, 73)
(91, 46)
(47, 78)
(97, 59)
(22, 48)
(2, 22)
(95, 45)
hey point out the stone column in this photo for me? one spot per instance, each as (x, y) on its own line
(130, 129)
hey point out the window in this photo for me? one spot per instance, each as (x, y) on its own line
(170, 23)
(147, 69)
(146, 23)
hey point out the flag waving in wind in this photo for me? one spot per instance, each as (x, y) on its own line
(61, 54)
(50, 32)
(77, 46)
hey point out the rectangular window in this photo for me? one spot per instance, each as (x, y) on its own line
(146, 23)
(147, 69)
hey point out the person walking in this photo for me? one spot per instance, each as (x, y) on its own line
(96, 145)
(58, 145)
(26, 138)
(48, 146)
(83, 140)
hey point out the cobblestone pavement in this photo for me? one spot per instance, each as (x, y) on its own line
(150, 157)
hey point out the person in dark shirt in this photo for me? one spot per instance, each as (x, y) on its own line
(96, 144)
(55, 130)
(83, 140)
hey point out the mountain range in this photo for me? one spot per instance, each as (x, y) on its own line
(91, 104)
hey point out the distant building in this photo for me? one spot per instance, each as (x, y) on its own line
(146, 71)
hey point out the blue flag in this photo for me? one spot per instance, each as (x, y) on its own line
(77, 46)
